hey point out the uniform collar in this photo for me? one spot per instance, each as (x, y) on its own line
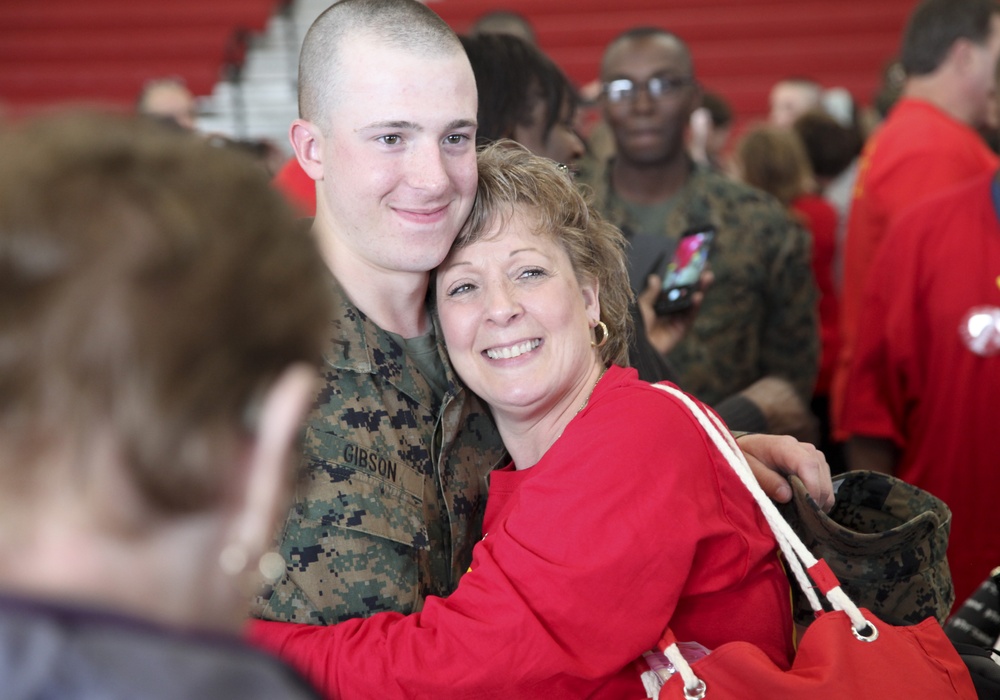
(357, 344)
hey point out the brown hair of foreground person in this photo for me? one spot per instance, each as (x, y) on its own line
(156, 299)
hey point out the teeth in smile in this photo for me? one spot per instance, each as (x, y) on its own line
(513, 350)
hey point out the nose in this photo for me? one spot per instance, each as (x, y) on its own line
(502, 305)
(428, 169)
(642, 101)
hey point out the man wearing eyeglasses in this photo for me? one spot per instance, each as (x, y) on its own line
(752, 351)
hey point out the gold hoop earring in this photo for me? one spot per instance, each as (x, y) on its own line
(604, 335)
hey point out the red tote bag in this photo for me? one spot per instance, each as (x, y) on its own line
(847, 653)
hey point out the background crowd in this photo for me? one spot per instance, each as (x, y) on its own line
(851, 301)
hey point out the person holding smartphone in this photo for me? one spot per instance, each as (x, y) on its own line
(682, 276)
(752, 351)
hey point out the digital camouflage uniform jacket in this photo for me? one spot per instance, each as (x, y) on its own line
(759, 317)
(393, 489)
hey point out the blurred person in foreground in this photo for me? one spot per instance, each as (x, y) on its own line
(160, 324)
(532, 303)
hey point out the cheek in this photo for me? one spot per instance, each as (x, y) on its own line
(465, 176)
(555, 146)
(568, 311)
(457, 326)
(354, 185)
(615, 114)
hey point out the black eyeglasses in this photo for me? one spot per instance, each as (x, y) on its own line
(624, 89)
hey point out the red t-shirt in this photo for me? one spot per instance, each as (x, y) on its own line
(821, 219)
(918, 151)
(631, 520)
(917, 379)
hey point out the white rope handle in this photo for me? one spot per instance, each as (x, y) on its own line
(796, 553)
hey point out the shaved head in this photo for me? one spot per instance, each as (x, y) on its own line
(647, 33)
(404, 24)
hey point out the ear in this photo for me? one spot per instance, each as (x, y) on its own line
(266, 472)
(961, 55)
(307, 142)
(591, 298)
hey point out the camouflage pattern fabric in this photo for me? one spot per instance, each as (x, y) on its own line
(759, 318)
(885, 540)
(393, 486)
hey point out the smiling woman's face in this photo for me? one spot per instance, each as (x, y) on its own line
(517, 321)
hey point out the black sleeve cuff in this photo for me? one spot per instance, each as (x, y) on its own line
(740, 413)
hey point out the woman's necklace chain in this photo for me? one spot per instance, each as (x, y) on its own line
(591, 393)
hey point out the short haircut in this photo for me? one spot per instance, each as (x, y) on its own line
(830, 145)
(773, 159)
(935, 25)
(511, 76)
(504, 22)
(511, 177)
(718, 108)
(405, 24)
(643, 33)
(152, 287)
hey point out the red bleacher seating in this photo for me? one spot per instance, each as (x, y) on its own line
(102, 51)
(740, 47)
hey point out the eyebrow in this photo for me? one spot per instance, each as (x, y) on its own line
(457, 263)
(405, 125)
(461, 124)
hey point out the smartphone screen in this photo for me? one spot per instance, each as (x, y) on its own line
(682, 274)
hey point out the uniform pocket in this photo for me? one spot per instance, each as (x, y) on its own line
(361, 489)
(356, 538)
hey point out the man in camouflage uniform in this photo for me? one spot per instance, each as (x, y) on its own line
(753, 349)
(394, 488)
(397, 452)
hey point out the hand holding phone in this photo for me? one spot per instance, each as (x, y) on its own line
(683, 271)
